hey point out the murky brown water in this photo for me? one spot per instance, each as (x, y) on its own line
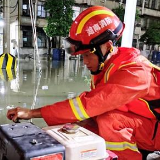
(59, 80)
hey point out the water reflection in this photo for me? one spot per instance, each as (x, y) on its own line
(59, 80)
(7, 74)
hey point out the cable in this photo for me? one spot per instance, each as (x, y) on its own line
(13, 10)
(36, 52)
(36, 91)
(33, 21)
(14, 5)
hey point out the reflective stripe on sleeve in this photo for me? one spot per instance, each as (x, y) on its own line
(107, 73)
(124, 65)
(120, 146)
(78, 109)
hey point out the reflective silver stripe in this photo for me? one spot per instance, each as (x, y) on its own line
(78, 109)
(120, 146)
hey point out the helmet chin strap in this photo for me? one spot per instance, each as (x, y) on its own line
(101, 58)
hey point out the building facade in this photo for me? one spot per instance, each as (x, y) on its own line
(21, 31)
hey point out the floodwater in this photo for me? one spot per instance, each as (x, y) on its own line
(30, 88)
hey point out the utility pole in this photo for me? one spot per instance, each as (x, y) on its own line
(6, 29)
(129, 19)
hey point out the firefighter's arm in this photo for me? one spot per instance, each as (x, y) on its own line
(124, 86)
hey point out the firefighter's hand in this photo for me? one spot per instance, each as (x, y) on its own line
(23, 113)
(19, 113)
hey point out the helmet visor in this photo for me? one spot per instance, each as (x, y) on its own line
(69, 47)
(75, 47)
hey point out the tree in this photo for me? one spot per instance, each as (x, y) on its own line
(119, 11)
(152, 34)
(60, 18)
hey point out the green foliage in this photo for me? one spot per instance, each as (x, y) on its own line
(137, 17)
(120, 11)
(87, 80)
(60, 17)
(152, 34)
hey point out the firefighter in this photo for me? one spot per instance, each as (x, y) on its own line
(125, 88)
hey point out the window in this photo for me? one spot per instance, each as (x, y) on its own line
(25, 8)
(27, 38)
(121, 1)
(153, 5)
(146, 3)
(134, 43)
(139, 2)
(41, 39)
(158, 5)
(40, 10)
(144, 24)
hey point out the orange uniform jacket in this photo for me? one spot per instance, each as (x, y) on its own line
(127, 83)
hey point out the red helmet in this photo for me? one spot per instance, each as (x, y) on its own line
(94, 26)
